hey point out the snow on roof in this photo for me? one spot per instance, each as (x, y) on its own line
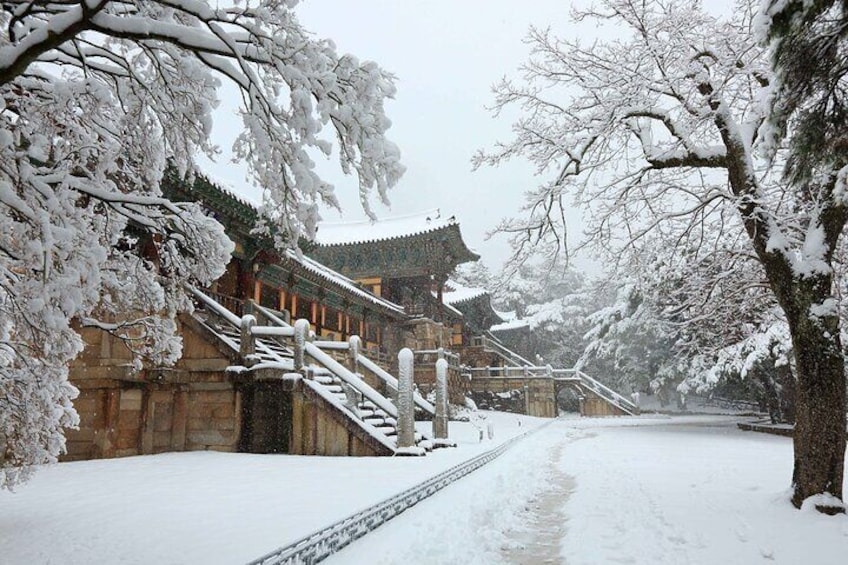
(455, 312)
(329, 274)
(513, 324)
(366, 231)
(455, 293)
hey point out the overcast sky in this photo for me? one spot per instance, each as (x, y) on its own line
(446, 55)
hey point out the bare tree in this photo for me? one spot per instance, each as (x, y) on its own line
(95, 97)
(664, 129)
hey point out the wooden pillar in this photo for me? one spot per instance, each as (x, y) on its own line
(245, 280)
(440, 279)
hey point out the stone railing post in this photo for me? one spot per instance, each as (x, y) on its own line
(247, 343)
(440, 419)
(406, 409)
(355, 348)
(301, 335)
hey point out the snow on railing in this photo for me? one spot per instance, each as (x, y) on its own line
(392, 383)
(216, 308)
(351, 378)
(599, 387)
(321, 544)
(529, 371)
(315, 350)
(504, 352)
(381, 373)
(365, 426)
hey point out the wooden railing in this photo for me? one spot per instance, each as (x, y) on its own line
(231, 303)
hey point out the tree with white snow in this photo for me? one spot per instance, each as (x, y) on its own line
(667, 129)
(96, 96)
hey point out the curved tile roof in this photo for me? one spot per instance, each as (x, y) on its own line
(367, 231)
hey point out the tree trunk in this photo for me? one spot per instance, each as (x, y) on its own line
(820, 409)
(786, 379)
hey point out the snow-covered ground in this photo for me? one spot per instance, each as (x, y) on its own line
(653, 490)
(206, 507)
(649, 490)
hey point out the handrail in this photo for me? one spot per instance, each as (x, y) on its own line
(392, 383)
(271, 316)
(390, 380)
(350, 378)
(215, 307)
(597, 384)
(322, 543)
(336, 345)
(271, 331)
(505, 352)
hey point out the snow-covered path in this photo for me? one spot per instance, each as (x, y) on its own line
(211, 508)
(580, 491)
(654, 491)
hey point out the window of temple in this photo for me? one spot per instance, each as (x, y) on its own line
(353, 326)
(372, 332)
(303, 309)
(269, 297)
(331, 319)
(456, 335)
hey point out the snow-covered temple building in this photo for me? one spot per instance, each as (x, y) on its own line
(252, 380)
(230, 391)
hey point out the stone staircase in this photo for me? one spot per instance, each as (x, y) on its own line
(273, 347)
(517, 366)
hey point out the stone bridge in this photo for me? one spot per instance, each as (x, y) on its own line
(539, 391)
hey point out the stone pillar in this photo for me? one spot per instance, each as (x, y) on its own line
(354, 350)
(440, 419)
(247, 345)
(406, 408)
(527, 399)
(301, 334)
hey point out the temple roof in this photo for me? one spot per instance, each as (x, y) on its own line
(326, 274)
(367, 231)
(474, 303)
(239, 217)
(407, 246)
(459, 294)
(511, 321)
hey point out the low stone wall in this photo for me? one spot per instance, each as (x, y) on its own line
(191, 406)
(766, 428)
(540, 400)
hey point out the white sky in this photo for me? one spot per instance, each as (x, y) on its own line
(446, 55)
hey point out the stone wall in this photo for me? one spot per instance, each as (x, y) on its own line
(191, 406)
(540, 400)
